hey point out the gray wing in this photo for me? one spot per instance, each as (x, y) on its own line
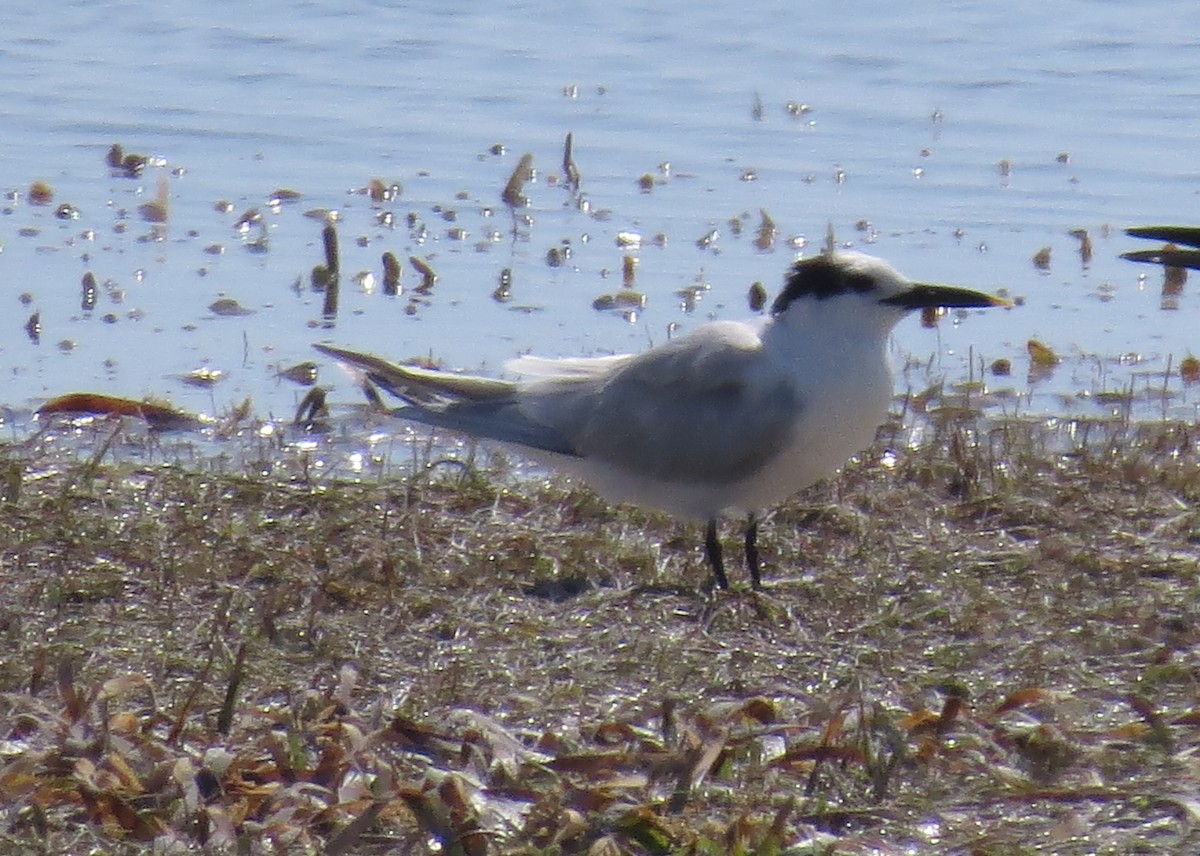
(706, 407)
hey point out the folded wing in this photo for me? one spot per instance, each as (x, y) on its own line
(702, 408)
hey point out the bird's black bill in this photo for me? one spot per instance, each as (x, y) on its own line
(1167, 257)
(1187, 235)
(922, 296)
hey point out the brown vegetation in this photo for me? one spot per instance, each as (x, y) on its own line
(983, 645)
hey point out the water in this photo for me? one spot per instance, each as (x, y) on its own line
(908, 113)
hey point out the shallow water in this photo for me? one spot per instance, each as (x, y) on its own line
(907, 115)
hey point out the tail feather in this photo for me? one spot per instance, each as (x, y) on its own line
(479, 406)
(423, 386)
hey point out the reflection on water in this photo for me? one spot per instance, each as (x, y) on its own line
(957, 143)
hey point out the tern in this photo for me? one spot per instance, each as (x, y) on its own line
(1170, 255)
(731, 417)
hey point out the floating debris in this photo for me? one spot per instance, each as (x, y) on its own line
(757, 296)
(428, 274)
(690, 295)
(391, 274)
(629, 265)
(764, 241)
(329, 306)
(259, 244)
(1042, 356)
(570, 170)
(513, 193)
(1174, 276)
(158, 416)
(321, 277)
(365, 280)
(558, 256)
(304, 374)
(33, 328)
(329, 241)
(503, 291)
(125, 163)
(325, 276)
(157, 210)
(40, 193)
(629, 240)
(204, 377)
(227, 307)
(87, 300)
(284, 195)
(328, 215)
(627, 299)
(250, 218)
(1189, 369)
(379, 190)
(1085, 245)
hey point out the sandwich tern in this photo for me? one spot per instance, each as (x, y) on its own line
(1170, 256)
(731, 417)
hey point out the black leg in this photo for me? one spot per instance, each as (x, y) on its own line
(712, 549)
(752, 564)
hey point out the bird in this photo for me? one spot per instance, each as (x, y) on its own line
(1170, 255)
(729, 418)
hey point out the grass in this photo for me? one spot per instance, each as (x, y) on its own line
(985, 644)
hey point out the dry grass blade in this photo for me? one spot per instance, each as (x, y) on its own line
(236, 675)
